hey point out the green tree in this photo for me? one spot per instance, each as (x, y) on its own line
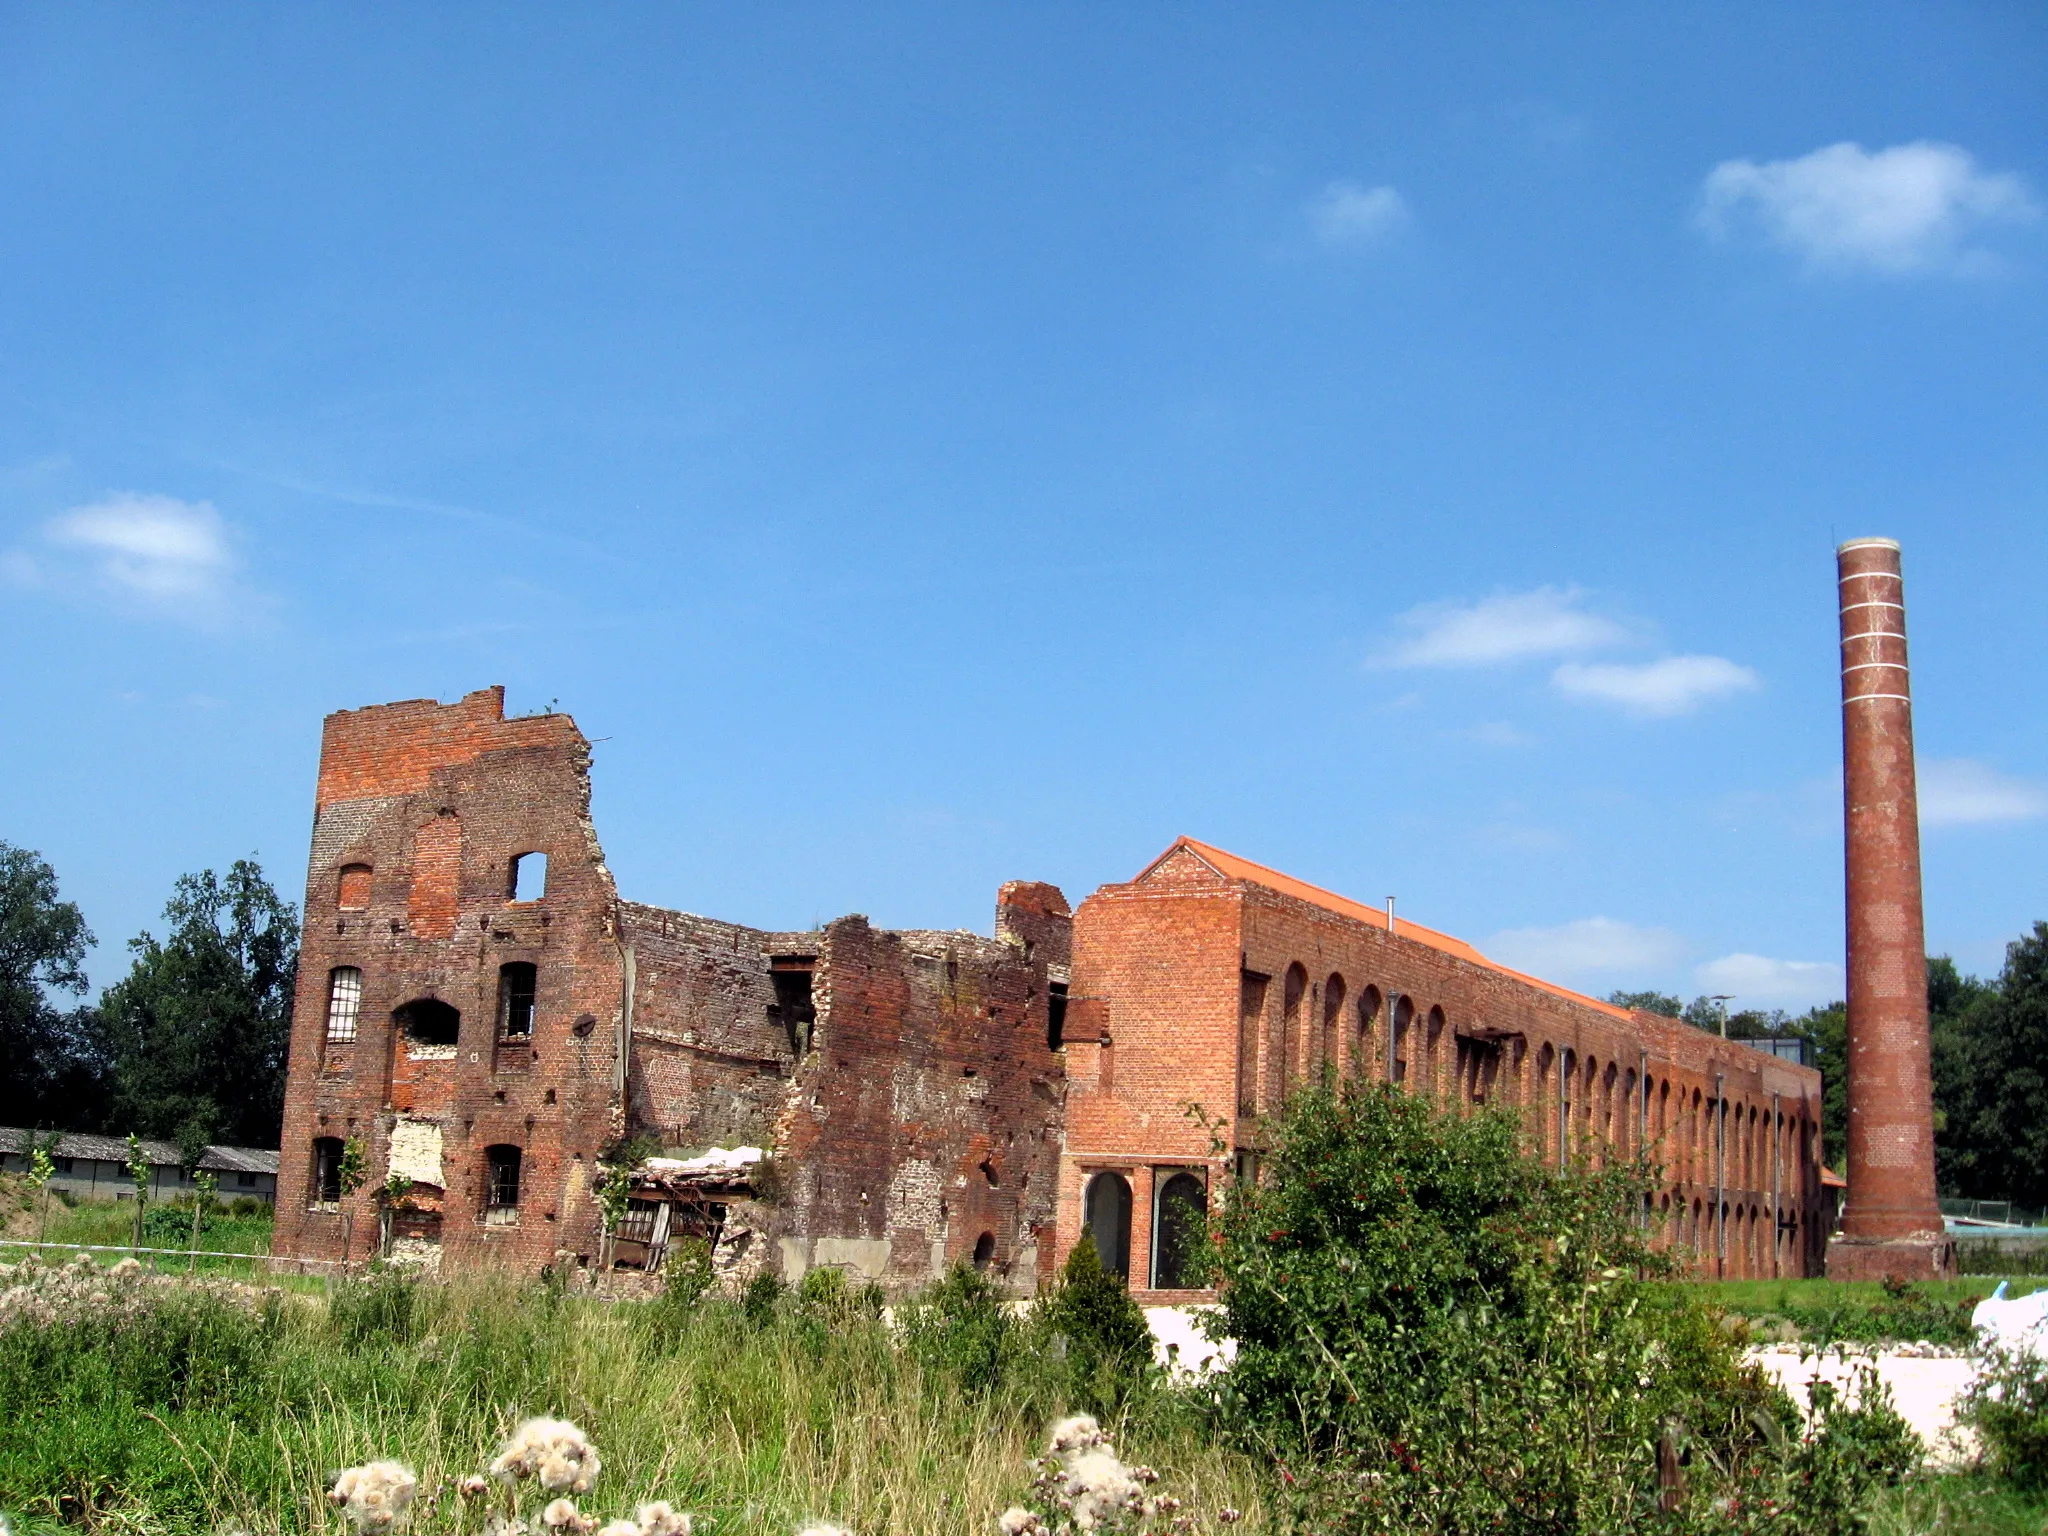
(197, 1031)
(1649, 1002)
(49, 1072)
(1436, 1332)
(2000, 1126)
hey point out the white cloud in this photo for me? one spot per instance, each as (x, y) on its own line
(1589, 946)
(1910, 208)
(157, 552)
(1960, 792)
(1754, 981)
(1508, 627)
(1346, 214)
(1674, 685)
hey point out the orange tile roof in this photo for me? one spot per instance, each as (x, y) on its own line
(1232, 867)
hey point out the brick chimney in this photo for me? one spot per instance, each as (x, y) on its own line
(1891, 1223)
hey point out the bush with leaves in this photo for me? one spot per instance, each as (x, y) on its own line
(960, 1327)
(2007, 1405)
(1109, 1345)
(1825, 1482)
(1436, 1331)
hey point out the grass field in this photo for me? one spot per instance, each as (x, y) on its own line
(213, 1413)
(111, 1224)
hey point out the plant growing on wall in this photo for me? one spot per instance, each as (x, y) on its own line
(354, 1171)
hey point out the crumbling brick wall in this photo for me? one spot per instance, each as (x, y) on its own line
(924, 1126)
(905, 1083)
(426, 806)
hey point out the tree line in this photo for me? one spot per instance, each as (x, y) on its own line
(1990, 1059)
(189, 1046)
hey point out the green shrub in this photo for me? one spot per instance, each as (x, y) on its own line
(1436, 1332)
(960, 1327)
(1108, 1343)
(1829, 1480)
(763, 1299)
(2008, 1407)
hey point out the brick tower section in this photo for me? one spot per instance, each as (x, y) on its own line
(1891, 1222)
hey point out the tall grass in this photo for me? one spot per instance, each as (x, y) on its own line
(208, 1410)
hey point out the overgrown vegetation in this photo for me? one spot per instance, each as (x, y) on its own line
(1435, 1332)
(199, 1408)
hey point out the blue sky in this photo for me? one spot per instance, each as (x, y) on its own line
(933, 446)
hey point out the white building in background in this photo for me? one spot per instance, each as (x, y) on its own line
(96, 1167)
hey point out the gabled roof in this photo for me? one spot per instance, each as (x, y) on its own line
(1231, 867)
(161, 1154)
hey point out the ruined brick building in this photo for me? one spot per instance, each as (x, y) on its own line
(482, 1017)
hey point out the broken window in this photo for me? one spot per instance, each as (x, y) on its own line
(1183, 1214)
(344, 1003)
(517, 985)
(327, 1151)
(352, 891)
(428, 1021)
(984, 1250)
(1109, 1221)
(529, 880)
(1055, 1015)
(501, 1182)
(793, 1008)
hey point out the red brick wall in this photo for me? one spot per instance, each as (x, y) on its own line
(437, 801)
(1162, 964)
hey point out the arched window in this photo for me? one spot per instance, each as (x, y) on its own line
(429, 1022)
(1404, 1019)
(1108, 1213)
(1292, 989)
(1251, 1011)
(1365, 1058)
(501, 1183)
(1177, 1230)
(1333, 1031)
(1432, 1054)
(529, 877)
(1567, 1087)
(327, 1154)
(984, 1250)
(352, 888)
(1536, 1114)
(518, 983)
(344, 1003)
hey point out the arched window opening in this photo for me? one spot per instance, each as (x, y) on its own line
(1332, 1053)
(1432, 1054)
(1567, 1084)
(1183, 1213)
(327, 1155)
(501, 1183)
(518, 983)
(1368, 1023)
(529, 881)
(1251, 1012)
(352, 888)
(1293, 988)
(1404, 1019)
(984, 1251)
(1055, 1015)
(1108, 1212)
(427, 1021)
(344, 1003)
